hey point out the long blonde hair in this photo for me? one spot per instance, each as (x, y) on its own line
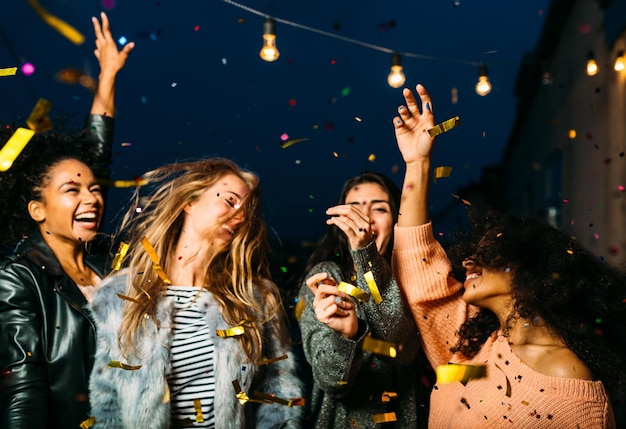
(237, 274)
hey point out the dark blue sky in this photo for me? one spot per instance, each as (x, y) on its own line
(195, 86)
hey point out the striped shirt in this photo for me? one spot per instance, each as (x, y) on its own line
(192, 377)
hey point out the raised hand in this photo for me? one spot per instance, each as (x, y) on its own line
(412, 125)
(332, 307)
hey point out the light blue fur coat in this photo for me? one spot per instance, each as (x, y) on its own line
(138, 398)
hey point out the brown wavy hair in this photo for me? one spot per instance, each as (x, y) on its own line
(237, 273)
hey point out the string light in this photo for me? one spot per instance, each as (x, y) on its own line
(269, 51)
(396, 76)
(483, 86)
(619, 61)
(592, 66)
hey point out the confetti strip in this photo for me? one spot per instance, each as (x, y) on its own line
(371, 284)
(467, 203)
(442, 171)
(288, 143)
(445, 126)
(508, 383)
(232, 332)
(118, 364)
(69, 32)
(269, 361)
(300, 305)
(155, 261)
(119, 256)
(272, 399)
(128, 183)
(379, 347)
(88, 423)
(353, 291)
(9, 71)
(388, 396)
(14, 147)
(38, 121)
(457, 372)
(197, 407)
(384, 418)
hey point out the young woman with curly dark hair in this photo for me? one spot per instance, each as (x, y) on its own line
(533, 337)
(52, 206)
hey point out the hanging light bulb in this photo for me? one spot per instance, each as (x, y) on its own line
(592, 66)
(269, 51)
(620, 62)
(483, 86)
(396, 76)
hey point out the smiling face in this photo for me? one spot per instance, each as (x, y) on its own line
(487, 288)
(209, 213)
(71, 204)
(372, 200)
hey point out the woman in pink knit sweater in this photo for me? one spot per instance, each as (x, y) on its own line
(533, 337)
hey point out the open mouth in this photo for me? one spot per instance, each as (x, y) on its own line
(86, 218)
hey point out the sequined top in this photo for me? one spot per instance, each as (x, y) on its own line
(512, 394)
(349, 384)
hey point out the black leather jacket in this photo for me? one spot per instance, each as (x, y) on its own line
(47, 337)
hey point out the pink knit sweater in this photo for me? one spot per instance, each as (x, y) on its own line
(512, 395)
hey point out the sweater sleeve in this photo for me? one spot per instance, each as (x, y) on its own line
(334, 360)
(390, 320)
(435, 298)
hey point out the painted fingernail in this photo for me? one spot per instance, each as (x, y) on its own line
(399, 122)
(401, 108)
(338, 300)
(427, 105)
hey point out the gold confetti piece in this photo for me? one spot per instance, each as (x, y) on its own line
(268, 361)
(288, 143)
(118, 364)
(371, 285)
(197, 407)
(119, 256)
(388, 396)
(384, 418)
(379, 347)
(230, 332)
(457, 372)
(128, 183)
(273, 399)
(155, 260)
(166, 394)
(299, 309)
(241, 395)
(354, 292)
(14, 147)
(445, 126)
(342, 383)
(128, 298)
(88, 423)
(9, 71)
(508, 383)
(467, 203)
(38, 120)
(58, 24)
(442, 171)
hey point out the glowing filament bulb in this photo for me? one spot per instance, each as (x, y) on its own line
(396, 76)
(483, 86)
(620, 62)
(592, 66)
(269, 51)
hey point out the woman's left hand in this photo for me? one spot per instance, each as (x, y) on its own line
(353, 222)
(332, 307)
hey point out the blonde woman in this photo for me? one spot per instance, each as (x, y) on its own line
(192, 331)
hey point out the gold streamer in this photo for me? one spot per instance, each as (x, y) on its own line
(118, 364)
(384, 418)
(388, 396)
(299, 309)
(87, 423)
(456, 372)
(371, 285)
(268, 361)
(69, 32)
(9, 71)
(197, 407)
(379, 347)
(38, 121)
(273, 399)
(128, 298)
(442, 171)
(129, 183)
(353, 291)
(119, 256)
(292, 142)
(445, 126)
(155, 260)
(14, 146)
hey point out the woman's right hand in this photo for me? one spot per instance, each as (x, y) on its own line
(332, 307)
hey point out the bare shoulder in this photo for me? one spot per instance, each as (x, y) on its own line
(562, 362)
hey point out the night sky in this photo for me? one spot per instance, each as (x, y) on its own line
(195, 86)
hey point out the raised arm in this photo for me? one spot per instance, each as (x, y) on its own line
(111, 61)
(416, 146)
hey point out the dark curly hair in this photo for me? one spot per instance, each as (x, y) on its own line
(581, 298)
(23, 181)
(334, 245)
